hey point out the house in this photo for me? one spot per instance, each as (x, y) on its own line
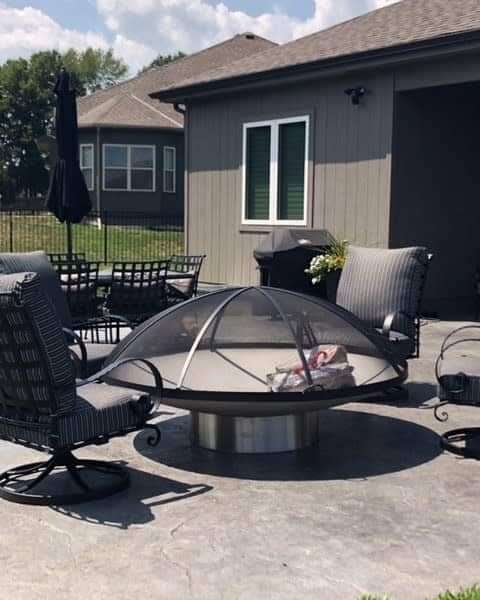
(131, 147)
(369, 128)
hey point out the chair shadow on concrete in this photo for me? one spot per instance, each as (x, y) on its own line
(135, 506)
(418, 394)
(353, 445)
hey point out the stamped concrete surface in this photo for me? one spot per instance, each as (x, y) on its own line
(375, 508)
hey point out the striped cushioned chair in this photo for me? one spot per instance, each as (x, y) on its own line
(42, 407)
(385, 288)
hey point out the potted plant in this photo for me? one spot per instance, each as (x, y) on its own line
(328, 267)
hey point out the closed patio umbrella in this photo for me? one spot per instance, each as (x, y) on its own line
(68, 198)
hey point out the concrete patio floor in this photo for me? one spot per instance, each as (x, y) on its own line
(375, 508)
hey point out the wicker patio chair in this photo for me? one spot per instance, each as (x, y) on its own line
(41, 406)
(385, 289)
(92, 353)
(138, 289)
(183, 289)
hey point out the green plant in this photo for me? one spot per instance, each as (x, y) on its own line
(472, 593)
(469, 594)
(323, 264)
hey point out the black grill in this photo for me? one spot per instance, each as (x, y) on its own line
(284, 255)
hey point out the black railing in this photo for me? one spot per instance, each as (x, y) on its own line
(105, 237)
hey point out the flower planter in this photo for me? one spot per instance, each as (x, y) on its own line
(331, 282)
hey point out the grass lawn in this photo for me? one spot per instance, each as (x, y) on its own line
(466, 594)
(44, 232)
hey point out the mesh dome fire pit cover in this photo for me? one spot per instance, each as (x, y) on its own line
(231, 352)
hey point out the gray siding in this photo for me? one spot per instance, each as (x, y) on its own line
(349, 168)
(165, 204)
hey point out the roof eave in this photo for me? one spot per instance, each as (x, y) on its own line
(171, 128)
(451, 44)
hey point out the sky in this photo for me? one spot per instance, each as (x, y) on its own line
(139, 30)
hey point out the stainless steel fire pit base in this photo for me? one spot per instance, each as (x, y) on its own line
(254, 435)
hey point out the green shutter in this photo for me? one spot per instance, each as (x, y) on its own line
(258, 173)
(291, 171)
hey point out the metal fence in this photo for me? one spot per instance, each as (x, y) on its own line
(105, 237)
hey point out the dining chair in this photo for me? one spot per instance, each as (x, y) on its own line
(183, 289)
(138, 289)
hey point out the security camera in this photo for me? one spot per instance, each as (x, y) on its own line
(356, 94)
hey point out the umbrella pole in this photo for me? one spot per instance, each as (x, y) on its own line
(69, 240)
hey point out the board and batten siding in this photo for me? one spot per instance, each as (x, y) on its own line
(349, 168)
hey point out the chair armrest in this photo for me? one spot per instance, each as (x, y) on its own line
(157, 389)
(74, 338)
(389, 320)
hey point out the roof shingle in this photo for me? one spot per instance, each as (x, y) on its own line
(128, 104)
(405, 22)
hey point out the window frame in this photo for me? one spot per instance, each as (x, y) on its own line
(82, 167)
(129, 167)
(174, 170)
(274, 125)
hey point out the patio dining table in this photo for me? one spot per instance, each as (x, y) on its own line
(105, 280)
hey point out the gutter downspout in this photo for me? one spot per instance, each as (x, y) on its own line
(181, 109)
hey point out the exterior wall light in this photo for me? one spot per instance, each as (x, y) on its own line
(356, 94)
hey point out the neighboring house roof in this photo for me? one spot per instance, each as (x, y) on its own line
(406, 22)
(128, 104)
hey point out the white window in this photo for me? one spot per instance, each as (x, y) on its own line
(275, 172)
(169, 168)
(128, 168)
(87, 165)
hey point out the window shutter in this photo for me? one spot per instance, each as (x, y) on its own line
(291, 183)
(258, 173)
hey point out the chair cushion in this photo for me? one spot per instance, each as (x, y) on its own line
(38, 262)
(34, 353)
(96, 355)
(460, 379)
(99, 410)
(377, 282)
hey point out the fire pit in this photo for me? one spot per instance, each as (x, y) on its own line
(256, 365)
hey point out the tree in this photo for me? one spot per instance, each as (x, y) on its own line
(163, 59)
(26, 109)
(94, 69)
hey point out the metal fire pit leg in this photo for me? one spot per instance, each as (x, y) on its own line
(254, 435)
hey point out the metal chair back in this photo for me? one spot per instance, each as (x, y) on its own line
(188, 264)
(56, 258)
(79, 281)
(138, 289)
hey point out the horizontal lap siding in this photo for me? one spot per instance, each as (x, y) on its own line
(349, 172)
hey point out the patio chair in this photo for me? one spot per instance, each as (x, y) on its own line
(62, 257)
(138, 289)
(183, 289)
(79, 281)
(385, 289)
(90, 354)
(41, 406)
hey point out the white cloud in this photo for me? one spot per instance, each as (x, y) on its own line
(189, 25)
(27, 30)
(141, 29)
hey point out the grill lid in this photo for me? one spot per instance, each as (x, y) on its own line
(282, 240)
